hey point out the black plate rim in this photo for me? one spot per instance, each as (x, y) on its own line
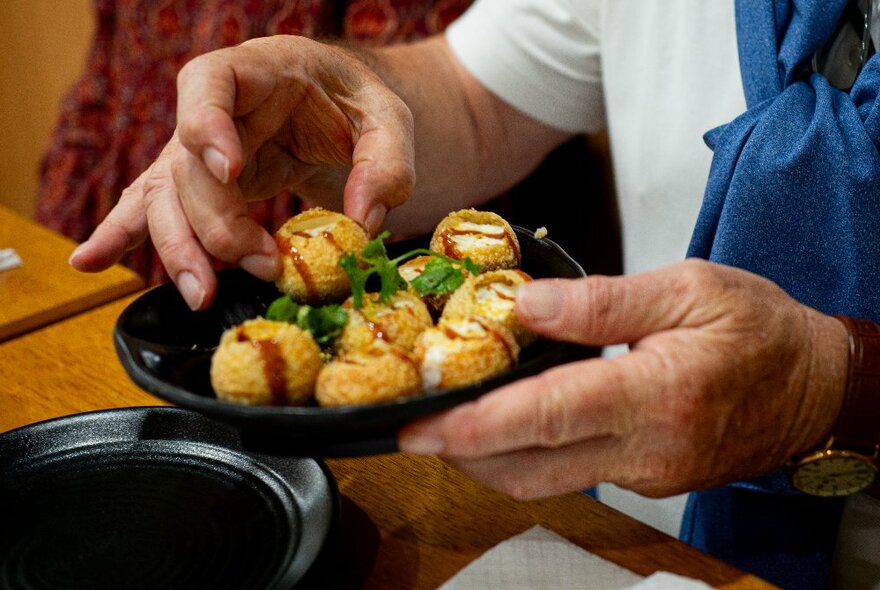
(323, 498)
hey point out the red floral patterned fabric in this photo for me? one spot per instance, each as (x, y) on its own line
(119, 114)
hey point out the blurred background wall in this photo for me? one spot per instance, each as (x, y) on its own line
(42, 47)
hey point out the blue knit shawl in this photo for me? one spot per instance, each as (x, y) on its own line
(793, 195)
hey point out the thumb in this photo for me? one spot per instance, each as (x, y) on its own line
(600, 310)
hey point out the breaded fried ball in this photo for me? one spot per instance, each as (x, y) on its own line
(492, 295)
(462, 351)
(400, 321)
(262, 362)
(378, 373)
(412, 269)
(483, 236)
(311, 245)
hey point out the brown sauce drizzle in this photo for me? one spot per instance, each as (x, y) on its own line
(288, 249)
(274, 366)
(332, 239)
(347, 360)
(449, 247)
(511, 239)
(405, 307)
(453, 335)
(401, 354)
(376, 351)
(451, 250)
(502, 294)
(511, 358)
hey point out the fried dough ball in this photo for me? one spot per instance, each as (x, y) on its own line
(491, 295)
(379, 372)
(411, 269)
(483, 236)
(311, 245)
(400, 321)
(461, 351)
(263, 362)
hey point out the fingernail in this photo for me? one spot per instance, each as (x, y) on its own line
(76, 252)
(261, 266)
(420, 443)
(540, 301)
(217, 163)
(191, 289)
(374, 218)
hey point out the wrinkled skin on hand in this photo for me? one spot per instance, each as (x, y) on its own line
(727, 378)
(271, 114)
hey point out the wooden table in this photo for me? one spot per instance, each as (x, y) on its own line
(46, 288)
(407, 522)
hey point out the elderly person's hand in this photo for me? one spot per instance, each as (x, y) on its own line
(727, 378)
(271, 114)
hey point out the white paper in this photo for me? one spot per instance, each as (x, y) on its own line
(538, 559)
(668, 581)
(9, 259)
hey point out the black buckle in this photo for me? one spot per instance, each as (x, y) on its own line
(853, 43)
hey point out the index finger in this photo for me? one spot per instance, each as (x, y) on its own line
(570, 403)
(121, 230)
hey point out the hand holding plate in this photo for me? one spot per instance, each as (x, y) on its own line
(720, 384)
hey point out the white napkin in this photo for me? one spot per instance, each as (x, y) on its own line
(9, 259)
(538, 558)
(669, 581)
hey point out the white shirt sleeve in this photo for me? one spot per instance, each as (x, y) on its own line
(540, 56)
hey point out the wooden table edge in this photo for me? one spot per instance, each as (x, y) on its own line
(71, 309)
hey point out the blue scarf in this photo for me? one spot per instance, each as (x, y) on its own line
(793, 195)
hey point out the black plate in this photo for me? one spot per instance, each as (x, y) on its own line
(155, 498)
(166, 349)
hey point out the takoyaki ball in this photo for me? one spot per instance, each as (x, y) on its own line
(492, 295)
(461, 351)
(411, 269)
(262, 362)
(483, 236)
(377, 373)
(400, 321)
(311, 245)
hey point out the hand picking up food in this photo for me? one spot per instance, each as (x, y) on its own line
(435, 318)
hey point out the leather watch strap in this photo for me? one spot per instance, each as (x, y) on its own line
(858, 425)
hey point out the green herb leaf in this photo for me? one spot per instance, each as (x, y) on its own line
(375, 259)
(283, 309)
(390, 280)
(444, 274)
(357, 276)
(439, 277)
(325, 323)
(471, 266)
(375, 251)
